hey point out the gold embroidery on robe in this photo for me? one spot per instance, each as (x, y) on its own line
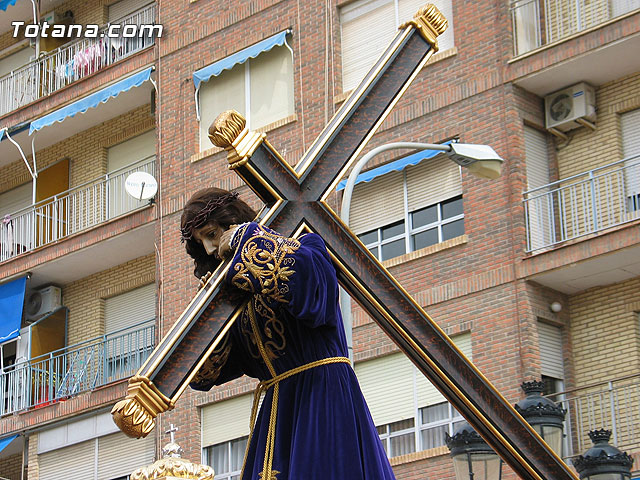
(271, 330)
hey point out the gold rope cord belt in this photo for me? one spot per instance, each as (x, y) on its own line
(267, 472)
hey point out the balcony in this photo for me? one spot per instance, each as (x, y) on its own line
(76, 369)
(70, 212)
(584, 204)
(612, 405)
(537, 23)
(72, 62)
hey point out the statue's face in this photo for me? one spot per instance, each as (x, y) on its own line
(209, 236)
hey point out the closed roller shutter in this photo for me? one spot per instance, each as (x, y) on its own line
(537, 158)
(360, 49)
(131, 151)
(119, 455)
(540, 207)
(377, 203)
(427, 393)
(125, 7)
(15, 61)
(550, 340)
(131, 308)
(630, 125)
(431, 182)
(387, 385)
(16, 199)
(76, 462)
(226, 420)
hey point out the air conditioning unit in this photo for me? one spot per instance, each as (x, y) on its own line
(42, 301)
(571, 108)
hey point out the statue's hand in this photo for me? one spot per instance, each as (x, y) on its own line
(204, 279)
(224, 249)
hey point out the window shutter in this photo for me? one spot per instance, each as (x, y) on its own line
(408, 8)
(361, 48)
(131, 151)
(125, 7)
(221, 93)
(16, 60)
(226, 420)
(630, 125)
(371, 209)
(387, 385)
(536, 158)
(113, 462)
(428, 394)
(271, 87)
(550, 341)
(432, 181)
(131, 308)
(76, 462)
(16, 199)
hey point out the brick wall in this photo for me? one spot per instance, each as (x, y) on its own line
(11, 466)
(85, 297)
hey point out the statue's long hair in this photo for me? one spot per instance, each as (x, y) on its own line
(227, 210)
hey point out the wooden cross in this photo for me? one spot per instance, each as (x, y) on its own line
(295, 202)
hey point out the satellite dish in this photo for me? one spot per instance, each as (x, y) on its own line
(141, 185)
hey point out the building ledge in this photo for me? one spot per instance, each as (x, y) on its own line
(422, 455)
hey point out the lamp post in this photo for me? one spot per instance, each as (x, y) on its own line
(545, 416)
(473, 458)
(481, 160)
(603, 461)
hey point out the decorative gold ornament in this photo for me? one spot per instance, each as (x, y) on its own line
(173, 466)
(136, 413)
(430, 23)
(229, 131)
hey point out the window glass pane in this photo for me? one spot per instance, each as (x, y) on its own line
(402, 444)
(401, 425)
(393, 249)
(392, 230)
(433, 437)
(451, 208)
(382, 429)
(271, 87)
(424, 216)
(237, 453)
(425, 239)
(218, 458)
(453, 229)
(369, 237)
(374, 251)
(435, 413)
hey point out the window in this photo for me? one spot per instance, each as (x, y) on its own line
(261, 89)
(551, 361)
(226, 458)
(409, 412)
(539, 208)
(415, 208)
(358, 19)
(630, 126)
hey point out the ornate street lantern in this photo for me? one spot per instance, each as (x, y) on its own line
(545, 416)
(473, 459)
(603, 461)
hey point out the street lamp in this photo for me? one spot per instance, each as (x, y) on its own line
(603, 461)
(473, 459)
(545, 416)
(481, 160)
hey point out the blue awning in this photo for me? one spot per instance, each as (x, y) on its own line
(395, 166)
(4, 442)
(91, 101)
(227, 63)
(4, 4)
(11, 302)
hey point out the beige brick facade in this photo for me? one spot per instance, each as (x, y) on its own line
(10, 467)
(85, 298)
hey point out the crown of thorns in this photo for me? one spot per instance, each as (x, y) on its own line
(186, 232)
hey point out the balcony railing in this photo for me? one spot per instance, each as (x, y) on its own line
(70, 212)
(583, 204)
(537, 23)
(76, 369)
(72, 62)
(612, 405)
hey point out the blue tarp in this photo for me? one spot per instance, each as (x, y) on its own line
(91, 101)
(4, 4)
(11, 302)
(397, 166)
(227, 63)
(6, 441)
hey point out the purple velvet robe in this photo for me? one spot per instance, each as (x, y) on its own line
(324, 430)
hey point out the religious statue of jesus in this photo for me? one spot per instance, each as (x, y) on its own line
(314, 423)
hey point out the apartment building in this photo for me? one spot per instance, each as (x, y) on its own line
(534, 275)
